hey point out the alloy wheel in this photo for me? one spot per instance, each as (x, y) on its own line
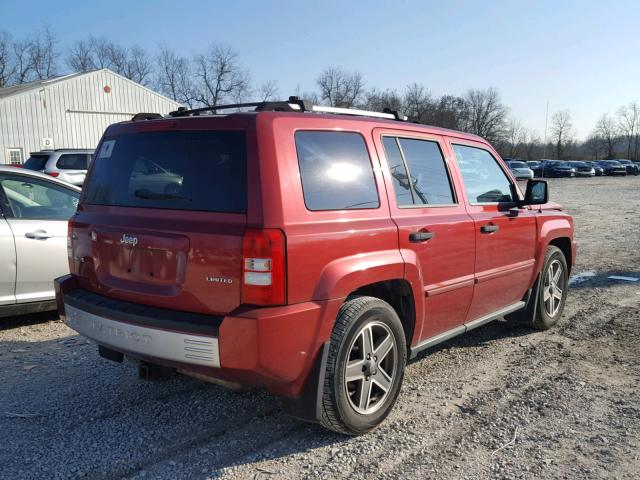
(553, 288)
(371, 367)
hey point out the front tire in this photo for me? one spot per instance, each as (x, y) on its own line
(552, 291)
(365, 366)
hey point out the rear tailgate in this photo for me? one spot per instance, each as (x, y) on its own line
(162, 217)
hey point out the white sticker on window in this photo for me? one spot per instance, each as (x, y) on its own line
(107, 149)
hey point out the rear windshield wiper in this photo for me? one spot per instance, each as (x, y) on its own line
(149, 195)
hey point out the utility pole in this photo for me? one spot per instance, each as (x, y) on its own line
(546, 120)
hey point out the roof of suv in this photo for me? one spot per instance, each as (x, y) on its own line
(309, 115)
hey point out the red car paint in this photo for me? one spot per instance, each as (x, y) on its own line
(458, 276)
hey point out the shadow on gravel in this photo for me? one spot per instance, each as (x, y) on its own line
(7, 323)
(479, 337)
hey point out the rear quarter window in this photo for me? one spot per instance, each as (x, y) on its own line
(336, 171)
(179, 170)
(73, 161)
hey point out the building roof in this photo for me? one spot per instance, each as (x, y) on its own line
(14, 90)
(24, 87)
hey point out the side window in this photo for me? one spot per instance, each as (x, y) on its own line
(72, 161)
(427, 181)
(34, 199)
(336, 171)
(398, 171)
(483, 178)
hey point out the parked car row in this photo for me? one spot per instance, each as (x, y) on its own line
(571, 168)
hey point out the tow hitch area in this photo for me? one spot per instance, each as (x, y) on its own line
(150, 371)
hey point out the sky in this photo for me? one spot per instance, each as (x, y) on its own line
(583, 56)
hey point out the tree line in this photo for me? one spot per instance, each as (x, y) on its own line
(216, 76)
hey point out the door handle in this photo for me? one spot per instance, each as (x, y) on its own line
(489, 228)
(419, 237)
(38, 235)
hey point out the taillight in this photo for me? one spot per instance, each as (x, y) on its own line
(52, 174)
(70, 238)
(264, 268)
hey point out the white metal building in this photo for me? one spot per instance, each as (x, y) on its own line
(69, 112)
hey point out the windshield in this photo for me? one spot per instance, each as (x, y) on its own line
(183, 170)
(36, 162)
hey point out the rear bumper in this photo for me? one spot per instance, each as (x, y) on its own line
(149, 342)
(270, 347)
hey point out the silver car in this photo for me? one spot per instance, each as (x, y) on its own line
(69, 165)
(34, 211)
(520, 169)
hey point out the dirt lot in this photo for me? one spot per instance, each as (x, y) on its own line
(502, 402)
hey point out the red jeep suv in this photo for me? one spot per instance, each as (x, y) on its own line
(305, 249)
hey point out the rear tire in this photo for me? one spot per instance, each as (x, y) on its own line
(365, 366)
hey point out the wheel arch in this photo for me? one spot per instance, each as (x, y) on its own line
(398, 293)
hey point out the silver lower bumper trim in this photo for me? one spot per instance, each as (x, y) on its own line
(161, 344)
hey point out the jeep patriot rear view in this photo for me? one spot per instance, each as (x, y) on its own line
(306, 252)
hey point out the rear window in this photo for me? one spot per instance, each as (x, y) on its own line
(73, 161)
(36, 162)
(336, 171)
(185, 170)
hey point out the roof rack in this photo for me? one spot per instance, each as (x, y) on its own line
(294, 104)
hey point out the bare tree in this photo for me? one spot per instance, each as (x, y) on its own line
(513, 137)
(530, 143)
(98, 52)
(22, 61)
(449, 112)
(268, 90)
(138, 65)
(593, 145)
(378, 100)
(220, 76)
(339, 88)
(173, 76)
(417, 102)
(607, 130)
(6, 60)
(102, 50)
(80, 57)
(561, 131)
(629, 127)
(486, 113)
(43, 54)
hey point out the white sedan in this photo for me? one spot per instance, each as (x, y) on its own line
(34, 211)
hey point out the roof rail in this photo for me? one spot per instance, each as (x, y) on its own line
(145, 116)
(294, 104)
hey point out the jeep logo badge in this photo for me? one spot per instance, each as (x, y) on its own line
(128, 240)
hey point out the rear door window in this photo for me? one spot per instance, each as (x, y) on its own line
(336, 171)
(484, 180)
(180, 170)
(73, 161)
(419, 172)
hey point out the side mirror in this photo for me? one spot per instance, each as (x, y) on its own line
(537, 193)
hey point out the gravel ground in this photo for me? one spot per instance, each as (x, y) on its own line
(501, 402)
